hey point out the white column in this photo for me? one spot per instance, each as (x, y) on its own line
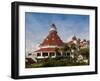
(61, 53)
(48, 54)
(55, 54)
(41, 54)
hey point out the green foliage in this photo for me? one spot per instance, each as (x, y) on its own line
(73, 46)
(50, 62)
(57, 51)
(84, 52)
(33, 65)
(67, 47)
(55, 62)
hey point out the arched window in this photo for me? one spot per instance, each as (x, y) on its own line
(51, 54)
(45, 54)
(38, 54)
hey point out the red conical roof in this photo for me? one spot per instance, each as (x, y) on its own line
(52, 39)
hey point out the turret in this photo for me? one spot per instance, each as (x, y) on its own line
(53, 28)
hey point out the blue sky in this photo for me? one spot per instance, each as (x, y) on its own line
(37, 27)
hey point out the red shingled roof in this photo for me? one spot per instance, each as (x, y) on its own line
(45, 49)
(52, 39)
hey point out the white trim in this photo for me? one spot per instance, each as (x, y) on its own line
(52, 70)
(50, 46)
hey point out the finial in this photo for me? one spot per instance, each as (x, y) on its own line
(53, 27)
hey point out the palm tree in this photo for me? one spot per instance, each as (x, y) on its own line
(57, 52)
(73, 46)
(67, 52)
(74, 50)
(67, 47)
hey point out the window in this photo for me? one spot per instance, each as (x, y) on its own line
(52, 54)
(68, 54)
(38, 54)
(45, 54)
(58, 54)
(64, 54)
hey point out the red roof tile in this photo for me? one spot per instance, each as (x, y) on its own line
(52, 39)
(45, 49)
